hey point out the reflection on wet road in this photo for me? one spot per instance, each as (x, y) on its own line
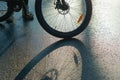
(6, 38)
(30, 53)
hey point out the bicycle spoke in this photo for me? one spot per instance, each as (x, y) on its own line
(63, 20)
(3, 8)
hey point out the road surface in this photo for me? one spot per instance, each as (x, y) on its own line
(28, 52)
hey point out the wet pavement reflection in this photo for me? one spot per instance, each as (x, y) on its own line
(27, 52)
(6, 38)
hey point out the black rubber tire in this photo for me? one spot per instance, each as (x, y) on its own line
(9, 11)
(63, 34)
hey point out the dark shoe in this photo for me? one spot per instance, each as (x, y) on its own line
(28, 16)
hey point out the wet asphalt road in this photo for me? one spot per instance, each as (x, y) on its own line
(29, 52)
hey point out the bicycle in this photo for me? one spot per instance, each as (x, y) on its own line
(60, 18)
(8, 7)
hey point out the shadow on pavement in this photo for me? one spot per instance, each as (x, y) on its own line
(91, 70)
(86, 59)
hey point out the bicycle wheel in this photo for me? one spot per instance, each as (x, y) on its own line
(66, 18)
(5, 9)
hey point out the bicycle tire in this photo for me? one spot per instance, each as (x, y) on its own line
(9, 11)
(47, 27)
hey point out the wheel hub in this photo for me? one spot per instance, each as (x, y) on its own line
(62, 8)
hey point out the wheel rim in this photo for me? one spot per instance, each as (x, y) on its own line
(64, 20)
(3, 8)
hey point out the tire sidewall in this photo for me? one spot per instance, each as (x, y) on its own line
(9, 11)
(53, 32)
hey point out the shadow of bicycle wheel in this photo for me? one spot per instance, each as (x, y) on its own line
(66, 42)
